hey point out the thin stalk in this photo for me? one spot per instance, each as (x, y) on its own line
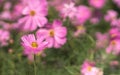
(35, 68)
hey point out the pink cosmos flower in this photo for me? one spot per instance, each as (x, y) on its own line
(114, 33)
(6, 13)
(4, 37)
(114, 47)
(69, 10)
(115, 23)
(8, 26)
(111, 15)
(80, 30)
(55, 34)
(59, 4)
(117, 2)
(82, 15)
(97, 3)
(17, 11)
(89, 68)
(34, 15)
(102, 40)
(33, 45)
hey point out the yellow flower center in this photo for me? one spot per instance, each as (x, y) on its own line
(34, 44)
(113, 42)
(89, 68)
(51, 33)
(80, 27)
(32, 13)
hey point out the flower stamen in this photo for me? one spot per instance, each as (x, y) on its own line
(51, 33)
(32, 13)
(34, 44)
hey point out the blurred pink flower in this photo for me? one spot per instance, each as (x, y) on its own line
(117, 2)
(4, 37)
(17, 11)
(59, 4)
(89, 68)
(114, 63)
(114, 33)
(97, 3)
(33, 45)
(111, 15)
(69, 10)
(80, 30)
(6, 13)
(7, 6)
(116, 22)
(94, 20)
(55, 34)
(34, 15)
(8, 26)
(82, 15)
(114, 47)
(102, 40)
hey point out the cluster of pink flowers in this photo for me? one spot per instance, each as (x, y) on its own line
(31, 16)
(89, 68)
(114, 45)
(114, 32)
(54, 35)
(77, 14)
(111, 17)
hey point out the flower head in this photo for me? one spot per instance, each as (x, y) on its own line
(88, 68)
(34, 15)
(55, 35)
(69, 10)
(111, 15)
(33, 45)
(82, 15)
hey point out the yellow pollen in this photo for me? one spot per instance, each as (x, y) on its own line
(51, 33)
(113, 42)
(32, 13)
(89, 68)
(80, 28)
(34, 44)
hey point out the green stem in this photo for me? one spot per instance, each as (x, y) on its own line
(35, 72)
